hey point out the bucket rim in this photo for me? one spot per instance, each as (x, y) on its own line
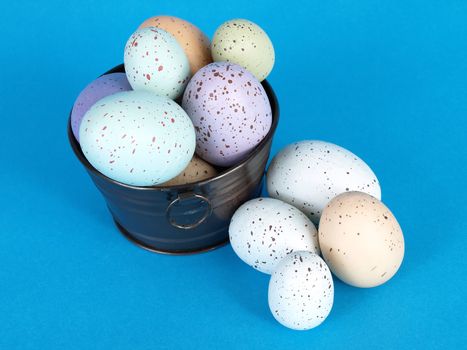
(269, 136)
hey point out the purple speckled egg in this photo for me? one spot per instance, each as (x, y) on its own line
(230, 111)
(103, 86)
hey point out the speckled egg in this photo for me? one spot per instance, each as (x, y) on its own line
(103, 86)
(230, 111)
(361, 240)
(155, 61)
(245, 43)
(197, 170)
(264, 230)
(308, 174)
(301, 291)
(137, 138)
(195, 44)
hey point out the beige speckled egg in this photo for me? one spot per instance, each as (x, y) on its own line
(360, 239)
(193, 41)
(246, 44)
(197, 170)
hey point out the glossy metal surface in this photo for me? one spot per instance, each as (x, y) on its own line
(188, 218)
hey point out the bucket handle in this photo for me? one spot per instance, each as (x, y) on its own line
(183, 197)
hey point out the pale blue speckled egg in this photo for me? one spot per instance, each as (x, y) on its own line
(301, 291)
(156, 62)
(137, 138)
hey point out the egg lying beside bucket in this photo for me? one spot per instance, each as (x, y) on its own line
(308, 174)
(264, 230)
(137, 138)
(103, 86)
(301, 291)
(230, 111)
(361, 240)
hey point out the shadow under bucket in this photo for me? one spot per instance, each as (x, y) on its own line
(188, 218)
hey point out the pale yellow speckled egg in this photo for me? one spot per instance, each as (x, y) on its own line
(197, 170)
(193, 41)
(360, 239)
(246, 44)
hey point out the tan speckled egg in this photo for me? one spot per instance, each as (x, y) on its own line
(246, 44)
(197, 170)
(360, 239)
(195, 44)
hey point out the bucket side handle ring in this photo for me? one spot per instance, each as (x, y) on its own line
(181, 198)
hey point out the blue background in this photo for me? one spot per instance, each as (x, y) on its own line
(385, 79)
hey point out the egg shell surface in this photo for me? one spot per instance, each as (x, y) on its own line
(230, 111)
(243, 42)
(103, 86)
(361, 240)
(155, 61)
(264, 230)
(194, 42)
(137, 138)
(308, 174)
(301, 291)
(197, 170)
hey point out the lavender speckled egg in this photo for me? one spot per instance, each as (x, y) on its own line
(361, 240)
(230, 111)
(156, 62)
(301, 291)
(308, 174)
(137, 138)
(264, 230)
(103, 86)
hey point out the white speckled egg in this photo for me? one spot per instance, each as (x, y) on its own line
(361, 239)
(230, 111)
(301, 291)
(137, 138)
(264, 230)
(308, 174)
(155, 61)
(243, 42)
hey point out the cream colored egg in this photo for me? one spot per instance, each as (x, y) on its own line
(197, 170)
(246, 44)
(193, 41)
(360, 239)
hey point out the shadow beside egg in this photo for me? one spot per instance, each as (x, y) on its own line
(247, 287)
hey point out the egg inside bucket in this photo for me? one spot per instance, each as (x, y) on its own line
(151, 216)
(230, 110)
(245, 43)
(137, 138)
